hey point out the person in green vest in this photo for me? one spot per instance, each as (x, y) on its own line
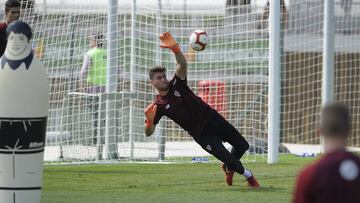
(93, 71)
(93, 77)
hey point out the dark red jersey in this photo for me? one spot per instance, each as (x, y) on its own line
(3, 40)
(333, 178)
(183, 107)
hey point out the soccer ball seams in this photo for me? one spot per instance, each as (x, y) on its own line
(197, 41)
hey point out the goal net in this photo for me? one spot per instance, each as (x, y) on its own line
(231, 74)
(302, 68)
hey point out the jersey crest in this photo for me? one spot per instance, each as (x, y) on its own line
(176, 93)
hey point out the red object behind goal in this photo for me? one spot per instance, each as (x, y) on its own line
(213, 93)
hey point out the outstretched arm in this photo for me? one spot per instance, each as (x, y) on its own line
(181, 66)
(150, 113)
(169, 42)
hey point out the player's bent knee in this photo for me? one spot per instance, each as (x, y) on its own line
(246, 146)
(243, 147)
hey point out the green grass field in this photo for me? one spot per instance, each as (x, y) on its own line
(185, 182)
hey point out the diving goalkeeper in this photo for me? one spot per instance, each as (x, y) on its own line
(208, 128)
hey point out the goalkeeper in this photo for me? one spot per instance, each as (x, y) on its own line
(208, 128)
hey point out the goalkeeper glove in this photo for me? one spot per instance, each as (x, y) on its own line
(150, 113)
(169, 42)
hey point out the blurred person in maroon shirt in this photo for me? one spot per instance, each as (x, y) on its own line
(335, 177)
(12, 13)
(208, 128)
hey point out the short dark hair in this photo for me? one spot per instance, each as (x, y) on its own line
(335, 120)
(11, 4)
(19, 27)
(156, 69)
(99, 39)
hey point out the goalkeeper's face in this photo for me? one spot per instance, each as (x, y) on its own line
(160, 82)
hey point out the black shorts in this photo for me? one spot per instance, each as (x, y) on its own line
(219, 130)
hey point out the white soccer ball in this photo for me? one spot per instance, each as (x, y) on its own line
(198, 40)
